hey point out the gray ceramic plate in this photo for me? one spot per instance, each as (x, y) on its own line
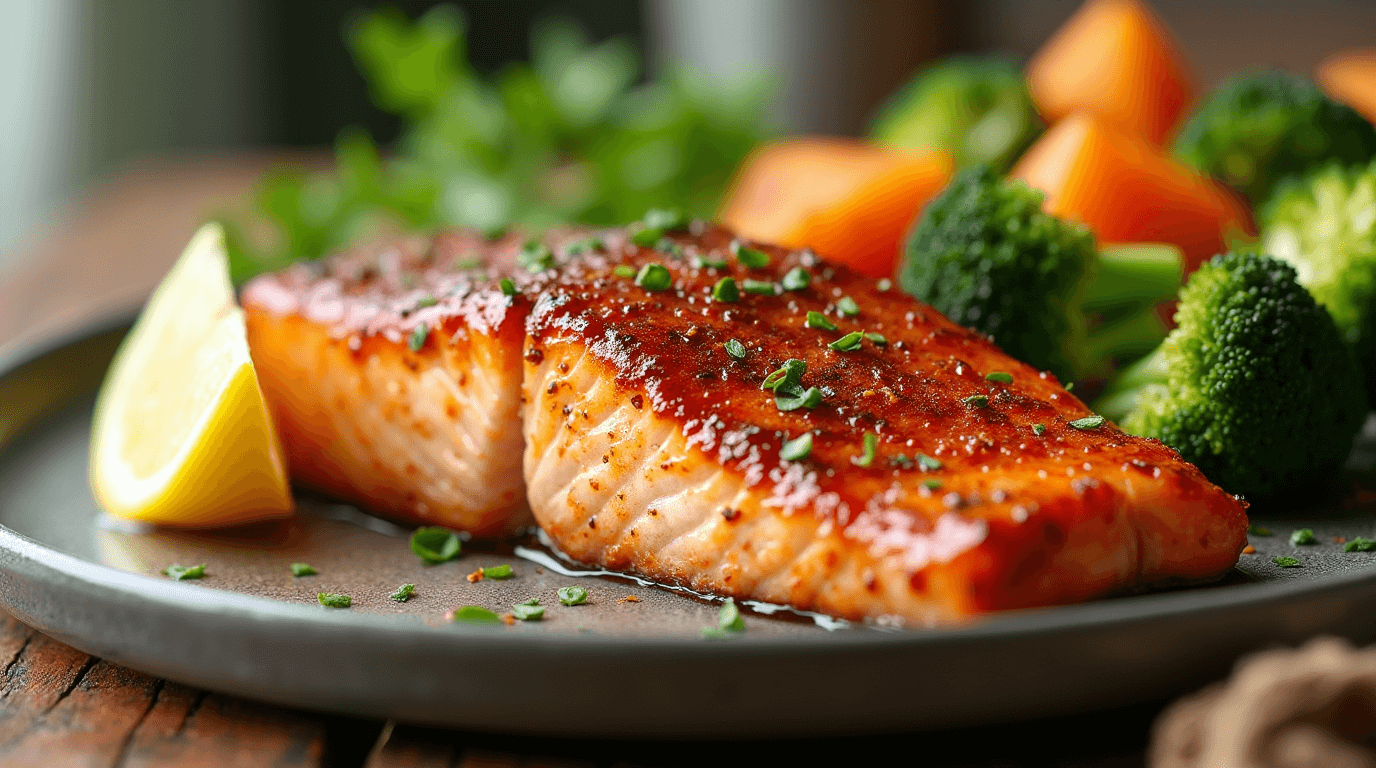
(631, 662)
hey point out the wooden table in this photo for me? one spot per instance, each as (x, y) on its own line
(59, 706)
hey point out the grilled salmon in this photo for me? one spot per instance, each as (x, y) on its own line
(809, 438)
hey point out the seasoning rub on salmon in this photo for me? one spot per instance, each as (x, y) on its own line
(914, 471)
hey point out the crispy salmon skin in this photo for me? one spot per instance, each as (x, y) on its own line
(914, 472)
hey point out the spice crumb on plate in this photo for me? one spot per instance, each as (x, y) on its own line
(1249, 550)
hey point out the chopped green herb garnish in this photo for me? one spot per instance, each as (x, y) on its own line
(1070, 386)
(498, 572)
(1038, 429)
(793, 398)
(1303, 536)
(797, 279)
(748, 256)
(729, 618)
(403, 593)
(1360, 544)
(900, 460)
(847, 307)
(884, 284)
(1000, 377)
(1287, 562)
(586, 245)
(476, 614)
(647, 237)
(624, 270)
(1258, 530)
(435, 544)
(302, 569)
(819, 320)
(530, 601)
(418, 337)
(426, 301)
(735, 349)
(469, 263)
(654, 277)
(1088, 422)
(848, 342)
(573, 595)
(726, 291)
(792, 371)
(665, 245)
(535, 257)
(927, 463)
(871, 444)
(759, 287)
(797, 449)
(526, 612)
(976, 401)
(332, 600)
(705, 262)
(877, 339)
(508, 287)
(184, 572)
(931, 484)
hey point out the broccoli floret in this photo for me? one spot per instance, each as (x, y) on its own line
(1262, 127)
(1255, 386)
(986, 254)
(976, 108)
(1325, 225)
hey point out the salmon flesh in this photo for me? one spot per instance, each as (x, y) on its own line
(821, 441)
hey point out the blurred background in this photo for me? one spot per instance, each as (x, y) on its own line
(92, 87)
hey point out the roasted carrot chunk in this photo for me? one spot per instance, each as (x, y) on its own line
(850, 201)
(1350, 77)
(1116, 60)
(1128, 190)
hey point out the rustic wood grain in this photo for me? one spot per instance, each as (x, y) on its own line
(190, 729)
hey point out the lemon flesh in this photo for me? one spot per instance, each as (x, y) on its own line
(182, 435)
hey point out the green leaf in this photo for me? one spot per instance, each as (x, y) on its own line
(332, 600)
(735, 349)
(1303, 537)
(476, 614)
(797, 449)
(436, 544)
(498, 572)
(403, 593)
(528, 612)
(184, 573)
(302, 569)
(573, 595)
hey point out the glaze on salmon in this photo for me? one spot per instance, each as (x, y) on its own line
(648, 447)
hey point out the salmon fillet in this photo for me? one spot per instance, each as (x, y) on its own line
(649, 447)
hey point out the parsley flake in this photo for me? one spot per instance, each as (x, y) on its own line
(871, 444)
(1303, 537)
(999, 377)
(435, 544)
(793, 398)
(498, 572)
(403, 593)
(1360, 544)
(1038, 429)
(748, 256)
(726, 291)
(477, 615)
(418, 337)
(1088, 422)
(877, 339)
(847, 307)
(426, 301)
(508, 287)
(927, 463)
(665, 219)
(797, 279)
(573, 595)
(797, 449)
(848, 342)
(585, 245)
(184, 572)
(705, 262)
(931, 484)
(976, 401)
(759, 287)
(735, 349)
(624, 270)
(1286, 562)
(729, 617)
(535, 257)
(528, 612)
(654, 277)
(302, 569)
(792, 370)
(1258, 530)
(819, 320)
(332, 600)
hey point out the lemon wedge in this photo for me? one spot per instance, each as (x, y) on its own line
(182, 435)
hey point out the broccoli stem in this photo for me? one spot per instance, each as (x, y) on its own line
(1126, 338)
(1134, 275)
(1121, 396)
